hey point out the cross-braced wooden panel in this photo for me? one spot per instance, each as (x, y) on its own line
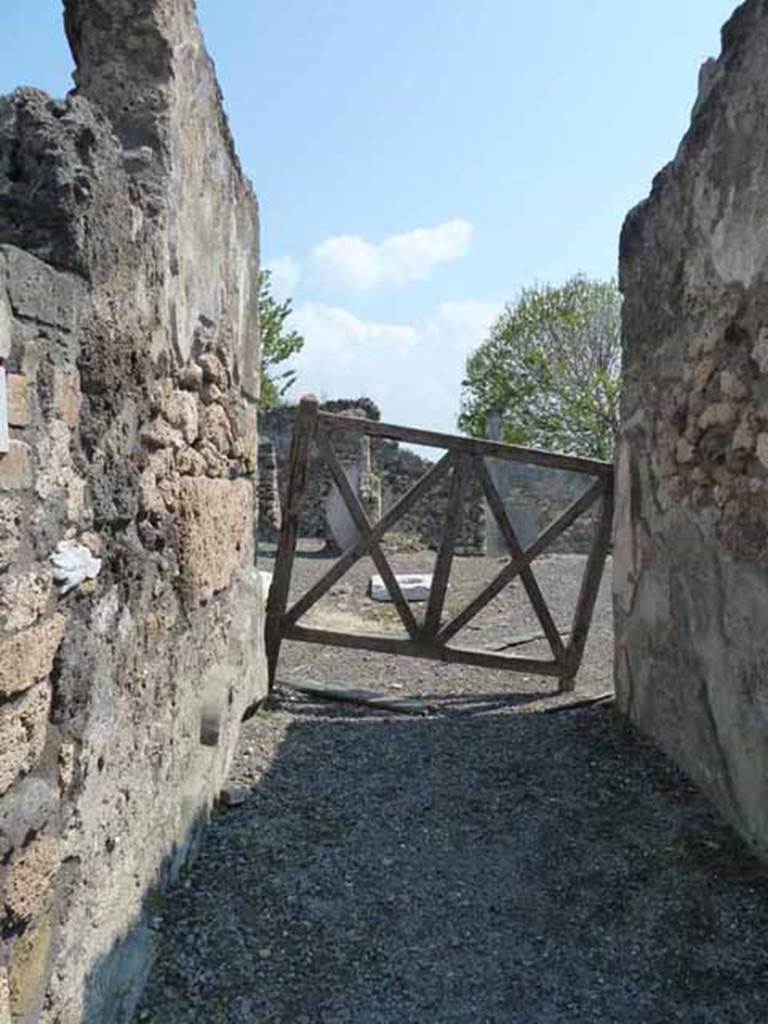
(464, 459)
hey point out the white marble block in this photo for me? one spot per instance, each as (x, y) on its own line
(415, 587)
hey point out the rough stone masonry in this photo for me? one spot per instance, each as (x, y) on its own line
(128, 331)
(691, 555)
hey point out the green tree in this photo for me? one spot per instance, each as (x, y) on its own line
(551, 365)
(278, 343)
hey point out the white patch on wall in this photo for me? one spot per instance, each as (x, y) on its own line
(4, 438)
(73, 564)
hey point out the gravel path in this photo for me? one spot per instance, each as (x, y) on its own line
(487, 862)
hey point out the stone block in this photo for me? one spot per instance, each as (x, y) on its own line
(27, 889)
(180, 409)
(15, 468)
(28, 969)
(27, 657)
(159, 435)
(67, 398)
(5, 998)
(6, 327)
(11, 514)
(23, 598)
(39, 293)
(415, 587)
(216, 522)
(250, 438)
(18, 400)
(23, 727)
(27, 807)
(216, 429)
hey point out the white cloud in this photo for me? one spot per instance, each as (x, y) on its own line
(412, 371)
(285, 273)
(339, 336)
(353, 262)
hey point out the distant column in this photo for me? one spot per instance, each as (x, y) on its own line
(269, 492)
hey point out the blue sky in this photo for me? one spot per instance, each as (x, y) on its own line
(418, 163)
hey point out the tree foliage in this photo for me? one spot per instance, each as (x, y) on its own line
(278, 343)
(551, 366)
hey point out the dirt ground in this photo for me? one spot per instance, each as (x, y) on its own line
(498, 859)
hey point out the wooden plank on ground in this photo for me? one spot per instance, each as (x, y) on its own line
(367, 698)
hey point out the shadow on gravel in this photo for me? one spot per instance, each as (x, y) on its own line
(522, 868)
(477, 703)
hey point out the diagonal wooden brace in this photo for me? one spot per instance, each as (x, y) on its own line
(527, 576)
(363, 546)
(512, 568)
(361, 521)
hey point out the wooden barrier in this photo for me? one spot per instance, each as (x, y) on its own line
(464, 456)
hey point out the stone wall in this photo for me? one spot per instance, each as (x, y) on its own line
(534, 497)
(691, 552)
(128, 330)
(397, 468)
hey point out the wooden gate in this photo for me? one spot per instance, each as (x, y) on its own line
(463, 456)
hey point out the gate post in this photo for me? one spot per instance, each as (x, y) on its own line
(303, 433)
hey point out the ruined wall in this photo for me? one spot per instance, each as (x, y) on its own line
(534, 497)
(397, 468)
(691, 550)
(128, 259)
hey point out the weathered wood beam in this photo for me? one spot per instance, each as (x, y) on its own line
(512, 568)
(417, 649)
(590, 585)
(304, 429)
(535, 596)
(470, 445)
(442, 569)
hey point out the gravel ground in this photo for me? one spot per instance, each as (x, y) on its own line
(486, 862)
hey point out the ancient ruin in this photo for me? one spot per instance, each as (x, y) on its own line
(534, 496)
(131, 611)
(691, 557)
(129, 339)
(382, 472)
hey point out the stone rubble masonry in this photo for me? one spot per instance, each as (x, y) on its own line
(27, 657)
(15, 467)
(691, 542)
(5, 998)
(23, 728)
(18, 400)
(396, 469)
(214, 514)
(29, 878)
(129, 332)
(10, 529)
